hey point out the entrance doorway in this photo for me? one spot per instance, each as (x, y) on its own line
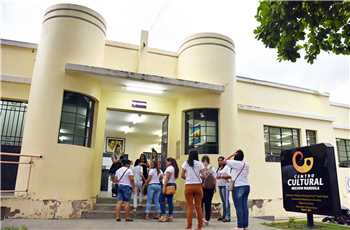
(132, 133)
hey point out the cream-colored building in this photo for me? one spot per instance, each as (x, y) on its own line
(75, 89)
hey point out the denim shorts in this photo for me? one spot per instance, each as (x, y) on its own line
(124, 193)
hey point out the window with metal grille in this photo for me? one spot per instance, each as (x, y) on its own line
(76, 119)
(12, 122)
(201, 131)
(343, 147)
(311, 137)
(278, 139)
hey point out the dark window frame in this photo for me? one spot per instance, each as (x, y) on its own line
(206, 147)
(88, 119)
(20, 109)
(270, 157)
(307, 133)
(346, 163)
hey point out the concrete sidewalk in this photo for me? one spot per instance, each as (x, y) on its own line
(109, 224)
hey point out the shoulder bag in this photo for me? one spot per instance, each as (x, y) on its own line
(232, 184)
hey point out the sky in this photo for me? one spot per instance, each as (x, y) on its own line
(169, 22)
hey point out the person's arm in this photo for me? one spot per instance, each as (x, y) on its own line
(132, 182)
(230, 157)
(183, 174)
(166, 180)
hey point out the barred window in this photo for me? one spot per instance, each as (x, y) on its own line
(310, 137)
(343, 147)
(278, 139)
(76, 119)
(12, 122)
(201, 131)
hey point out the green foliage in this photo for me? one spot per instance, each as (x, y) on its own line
(293, 224)
(15, 228)
(312, 26)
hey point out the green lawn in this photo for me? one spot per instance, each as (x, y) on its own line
(15, 228)
(298, 225)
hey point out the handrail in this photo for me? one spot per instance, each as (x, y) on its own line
(19, 155)
(30, 163)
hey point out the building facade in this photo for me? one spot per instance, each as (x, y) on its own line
(57, 93)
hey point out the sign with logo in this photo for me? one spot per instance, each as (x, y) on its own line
(309, 177)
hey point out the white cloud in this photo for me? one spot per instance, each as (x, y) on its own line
(170, 21)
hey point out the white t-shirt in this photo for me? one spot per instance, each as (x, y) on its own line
(170, 169)
(193, 173)
(125, 179)
(138, 174)
(155, 176)
(236, 166)
(225, 171)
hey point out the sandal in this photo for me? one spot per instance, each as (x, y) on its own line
(129, 220)
(118, 219)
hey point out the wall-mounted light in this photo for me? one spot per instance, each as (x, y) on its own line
(144, 88)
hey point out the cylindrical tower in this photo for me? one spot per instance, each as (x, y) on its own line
(70, 34)
(210, 58)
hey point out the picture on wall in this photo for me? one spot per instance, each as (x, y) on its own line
(115, 145)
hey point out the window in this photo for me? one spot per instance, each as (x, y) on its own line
(310, 137)
(343, 147)
(278, 139)
(76, 119)
(12, 122)
(201, 131)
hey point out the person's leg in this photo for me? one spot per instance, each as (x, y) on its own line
(222, 197)
(170, 200)
(245, 207)
(238, 194)
(150, 194)
(117, 210)
(140, 193)
(157, 191)
(198, 196)
(135, 199)
(162, 204)
(227, 204)
(189, 203)
(209, 203)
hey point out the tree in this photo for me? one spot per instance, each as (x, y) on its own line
(312, 26)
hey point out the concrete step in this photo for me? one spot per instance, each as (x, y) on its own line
(142, 207)
(139, 214)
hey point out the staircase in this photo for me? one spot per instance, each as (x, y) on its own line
(105, 209)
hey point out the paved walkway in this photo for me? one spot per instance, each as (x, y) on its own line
(109, 224)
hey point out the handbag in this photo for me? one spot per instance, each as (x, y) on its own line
(170, 189)
(209, 182)
(232, 184)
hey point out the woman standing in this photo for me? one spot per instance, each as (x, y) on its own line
(209, 186)
(223, 176)
(169, 188)
(191, 172)
(154, 189)
(124, 177)
(139, 179)
(241, 187)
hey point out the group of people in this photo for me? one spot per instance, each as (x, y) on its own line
(202, 180)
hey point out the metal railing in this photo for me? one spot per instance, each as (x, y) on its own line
(30, 162)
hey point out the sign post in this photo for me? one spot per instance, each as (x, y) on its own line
(309, 181)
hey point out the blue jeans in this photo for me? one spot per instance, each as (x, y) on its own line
(124, 193)
(240, 199)
(169, 199)
(225, 199)
(153, 193)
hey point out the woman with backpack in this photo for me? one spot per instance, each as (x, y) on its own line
(154, 189)
(124, 177)
(209, 187)
(171, 173)
(240, 187)
(191, 171)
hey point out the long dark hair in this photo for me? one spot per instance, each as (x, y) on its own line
(222, 166)
(174, 164)
(192, 156)
(137, 162)
(143, 158)
(156, 166)
(239, 155)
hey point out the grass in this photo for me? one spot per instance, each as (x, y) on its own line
(292, 224)
(15, 228)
